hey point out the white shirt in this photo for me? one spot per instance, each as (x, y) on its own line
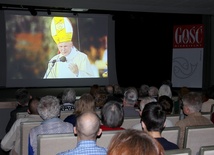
(11, 140)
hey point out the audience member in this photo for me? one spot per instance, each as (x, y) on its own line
(118, 92)
(11, 141)
(169, 83)
(22, 97)
(153, 121)
(100, 99)
(85, 103)
(165, 90)
(87, 129)
(177, 104)
(167, 104)
(94, 89)
(129, 101)
(68, 99)
(153, 92)
(114, 92)
(143, 102)
(209, 95)
(191, 108)
(49, 110)
(109, 89)
(131, 141)
(143, 91)
(112, 116)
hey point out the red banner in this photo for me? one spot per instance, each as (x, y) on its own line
(188, 36)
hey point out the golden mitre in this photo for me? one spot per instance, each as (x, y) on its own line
(61, 29)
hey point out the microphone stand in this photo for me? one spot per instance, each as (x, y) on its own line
(53, 63)
(62, 59)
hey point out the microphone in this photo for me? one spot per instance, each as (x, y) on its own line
(62, 59)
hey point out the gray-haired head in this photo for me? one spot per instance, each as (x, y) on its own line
(49, 107)
(69, 95)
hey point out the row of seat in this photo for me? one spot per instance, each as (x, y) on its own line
(170, 133)
(204, 150)
(198, 141)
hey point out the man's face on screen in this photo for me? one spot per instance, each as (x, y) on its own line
(65, 48)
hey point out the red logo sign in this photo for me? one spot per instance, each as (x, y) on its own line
(188, 36)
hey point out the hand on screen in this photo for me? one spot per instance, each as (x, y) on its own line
(74, 68)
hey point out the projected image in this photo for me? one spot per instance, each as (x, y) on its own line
(47, 47)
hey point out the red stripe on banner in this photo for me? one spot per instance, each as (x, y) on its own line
(188, 36)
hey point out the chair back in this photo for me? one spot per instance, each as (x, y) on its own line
(207, 115)
(25, 128)
(185, 151)
(197, 136)
(173, 118)
(129, 122)
(172, 134)
(206, 150)
(105, 138)
(55, 143)
(21, 115)
(64, 114)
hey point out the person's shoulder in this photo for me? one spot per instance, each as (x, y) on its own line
(179, 123)
(81, 54)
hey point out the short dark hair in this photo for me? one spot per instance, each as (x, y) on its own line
(33, 104)
(22, 96)
(167, 103)
(153, 116)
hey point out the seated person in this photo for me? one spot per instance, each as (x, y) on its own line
(129, 101)
(144, 100)
(68, 99)
(191, 108)
(167, 104)
(153, 121)
(85, 103)
(112, 116)
(131, 141)
(49, 110)
(87, 129)
(11, 141)
(22, 97)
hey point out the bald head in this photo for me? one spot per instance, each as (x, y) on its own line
(88, 126)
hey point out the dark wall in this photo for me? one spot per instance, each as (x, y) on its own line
(144, 46)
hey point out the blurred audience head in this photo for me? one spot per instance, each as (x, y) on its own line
(130, 96)
(49, 107)
(32, 105)
(112, 114)
(85, 103)
(167, 103)
(143, 91)
(23, 96)
(131, 141)
(165, 90)
(68, 96)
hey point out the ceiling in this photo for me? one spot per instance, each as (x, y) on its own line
(205, 7)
